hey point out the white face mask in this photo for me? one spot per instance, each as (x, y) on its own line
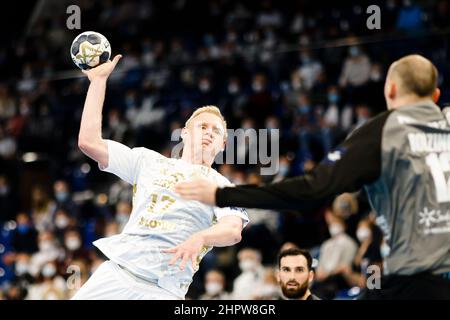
(335, 229)
(61, 222)
(45, 245)
(122, 217)
(204, 86)
(48, 271)
(363, 234)
(257, 87)
(233, 88)
(213, 288)
(73, 243)
(269, 290)
(385, 250)
(21, 268)
(247, 265)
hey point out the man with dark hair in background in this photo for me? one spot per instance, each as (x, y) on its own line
(295, 274)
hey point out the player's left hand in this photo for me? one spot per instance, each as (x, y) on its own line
(188, 250)
(202, 190)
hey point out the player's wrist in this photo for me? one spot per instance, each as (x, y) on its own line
(99, 79)
(199, 238)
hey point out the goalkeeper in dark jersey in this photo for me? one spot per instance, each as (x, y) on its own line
(402, 159)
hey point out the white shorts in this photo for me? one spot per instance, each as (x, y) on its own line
(111, 282)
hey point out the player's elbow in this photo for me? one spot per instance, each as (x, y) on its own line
(82, 144)
(87, 144)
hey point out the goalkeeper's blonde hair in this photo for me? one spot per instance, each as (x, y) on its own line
(209, 109)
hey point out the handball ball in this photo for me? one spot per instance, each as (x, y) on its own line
(90, 49)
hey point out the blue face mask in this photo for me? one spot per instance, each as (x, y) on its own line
(62, 196)
(385, 250)
(306, 60)
(130, 102)
(23, 228)
(284, 170)
(333, 98)
(354, 51)
(304, 109)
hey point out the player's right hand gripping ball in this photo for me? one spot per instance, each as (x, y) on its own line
(90, 49)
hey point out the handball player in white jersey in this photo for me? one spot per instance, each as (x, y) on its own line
(158, 252)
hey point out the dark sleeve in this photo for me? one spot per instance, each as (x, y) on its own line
(357, 161)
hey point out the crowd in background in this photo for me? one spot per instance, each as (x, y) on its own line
(308, 72)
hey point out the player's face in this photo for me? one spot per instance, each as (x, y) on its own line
(205, 134)
(294, 276)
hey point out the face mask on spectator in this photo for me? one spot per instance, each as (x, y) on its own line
(46, 245)
(233, 88)
(130, 102)
(304, 109)
(375, 76)
(257, 86)
(61, 196)
(21, 268)
(335, 229)
(363, 234)
(23, 228)
(271, 125)
(4, 190)
(247, 265)
(306, 59)
(122, 217)
(213, 288)
(284, 169)
(204, 86)
(61, 222)
(385, 250)
(333, 98)
(48, 271)
(113, 123)
(73, 243)
(269, 290)
(354, 51)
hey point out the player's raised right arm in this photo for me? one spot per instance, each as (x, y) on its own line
(90, 139)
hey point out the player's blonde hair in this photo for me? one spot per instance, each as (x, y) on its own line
(210, 109)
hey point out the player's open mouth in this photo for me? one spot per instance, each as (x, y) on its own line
(206, 142)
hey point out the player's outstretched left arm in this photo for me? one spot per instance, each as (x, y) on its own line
(226, 232)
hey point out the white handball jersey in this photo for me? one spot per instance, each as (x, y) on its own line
(160, 218)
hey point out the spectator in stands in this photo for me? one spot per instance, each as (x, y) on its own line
(49, 250)
(24, 237)
(310, 70)
(355, 74)
(123, 211)
(367, 257)
(335, 253)
(42, 208)
(63, 198)
(245, 286)
(215, 286)
(49, 286)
